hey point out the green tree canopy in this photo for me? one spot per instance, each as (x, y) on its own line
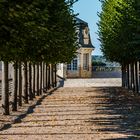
(118, 30)
(37, 30)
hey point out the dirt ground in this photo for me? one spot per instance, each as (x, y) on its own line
(72, 113)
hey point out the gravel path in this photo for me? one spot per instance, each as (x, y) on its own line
(84, 113)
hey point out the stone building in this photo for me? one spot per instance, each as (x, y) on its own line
(81, 65)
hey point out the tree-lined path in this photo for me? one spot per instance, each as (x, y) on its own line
(85, 113)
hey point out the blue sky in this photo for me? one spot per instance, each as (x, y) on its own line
(87, 10)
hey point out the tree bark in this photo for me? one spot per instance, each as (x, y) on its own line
(136, 78)
(130, 81)
(123, 75)
(40, 78)
(15, 83)
(30, 82)
(46, 77)
(43, 77)
(34, 75)
(55, 75)
(128, 76)
(132, 76)
(20, 85)
(37, 79)
(49, 77)
(5, 89)
(52, 76)
(25, 83)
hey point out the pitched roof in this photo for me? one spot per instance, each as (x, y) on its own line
(83, 24)
(80, 21)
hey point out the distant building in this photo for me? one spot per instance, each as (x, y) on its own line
(81, 65)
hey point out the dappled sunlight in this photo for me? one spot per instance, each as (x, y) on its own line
(105, 113)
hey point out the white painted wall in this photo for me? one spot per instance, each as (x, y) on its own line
(61, 70)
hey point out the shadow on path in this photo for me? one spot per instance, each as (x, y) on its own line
(119, 112)
(30, 110)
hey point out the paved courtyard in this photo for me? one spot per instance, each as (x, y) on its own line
(68, 114)
(83, 109)
(99, 79)
(93, 82)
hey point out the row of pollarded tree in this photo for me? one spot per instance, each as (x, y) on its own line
(34, 33)
(119, 33)
(27, 82)
(131, 76)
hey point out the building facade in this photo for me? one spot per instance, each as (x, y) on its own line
(81, 65)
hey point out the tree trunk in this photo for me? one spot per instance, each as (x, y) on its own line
(43, 76)
(49, 77)
(128, 76)
(132, 76)
(37, 79)
(52, 76)
(5, 89)
(15, 83)
(30, 82)
(46, 77)
(34, 75)
(139, 76)
(40, 78)
(55, 76)
(130, 81)
(20, 85)
(25, 83)
(136, 78)
(123, 75)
